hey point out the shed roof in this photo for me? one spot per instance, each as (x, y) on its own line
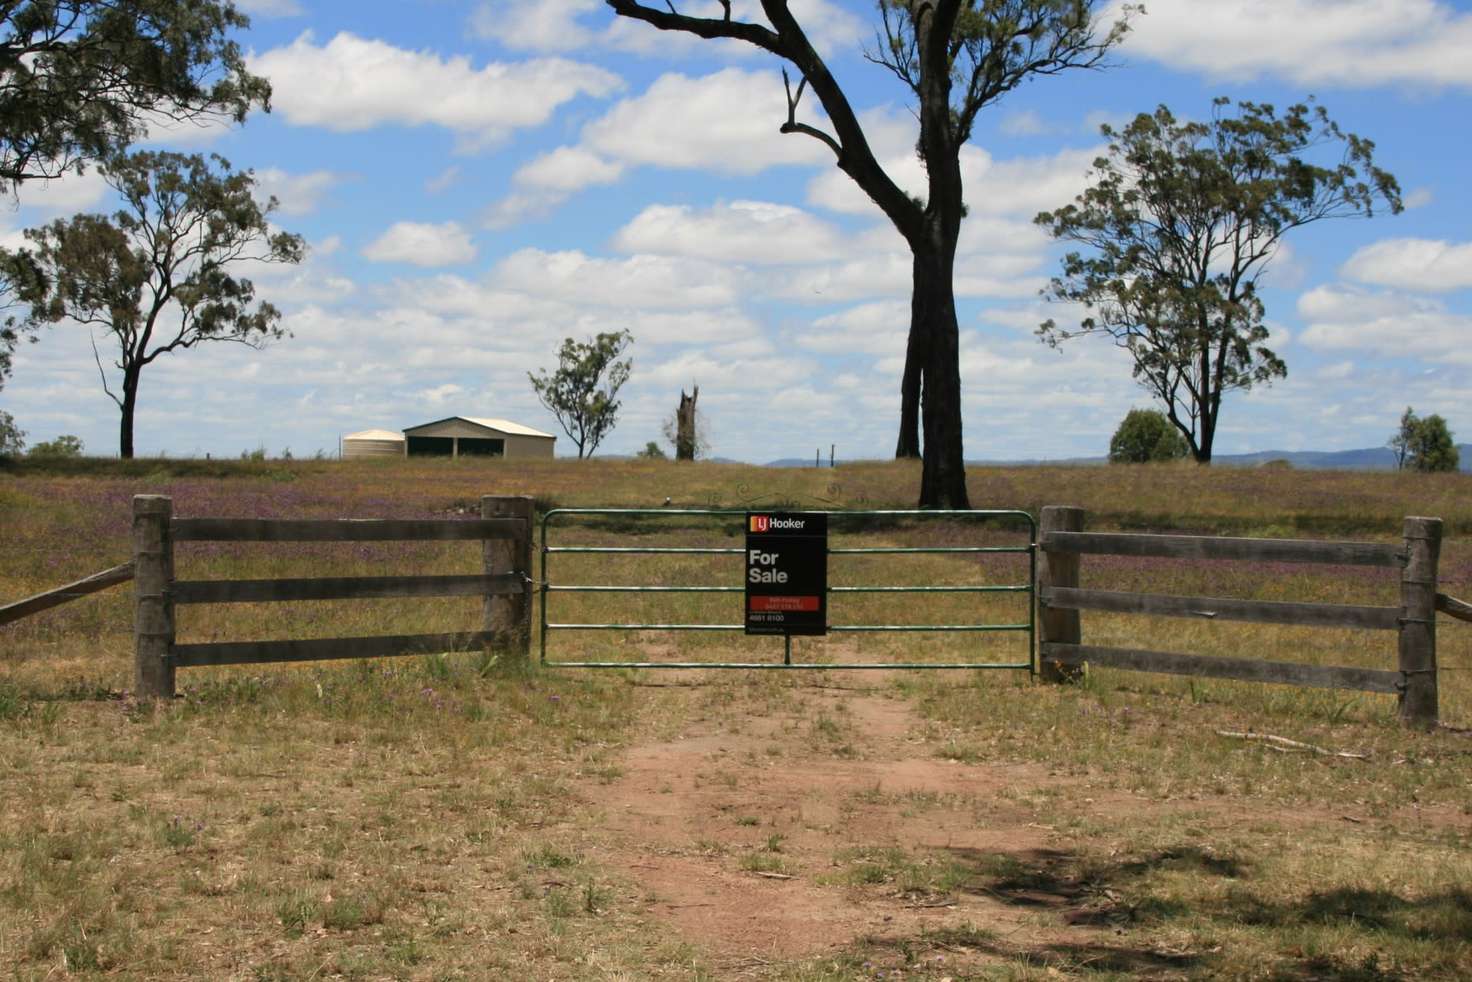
(375, 435)
(499, 425)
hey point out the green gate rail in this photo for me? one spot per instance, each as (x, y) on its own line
(547, 587)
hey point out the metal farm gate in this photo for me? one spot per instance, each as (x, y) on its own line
(629, 523)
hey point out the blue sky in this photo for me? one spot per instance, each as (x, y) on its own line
(478, 181)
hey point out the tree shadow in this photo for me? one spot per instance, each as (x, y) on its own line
(1445, 916)
(1110, 895)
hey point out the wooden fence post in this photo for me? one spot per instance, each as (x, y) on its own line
(153, 607)
(510, 617)
(1418, 698)
(1058, 569)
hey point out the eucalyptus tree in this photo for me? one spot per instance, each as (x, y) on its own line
(582, 392)
(956, 57)
(1180, 223)
(163, 273)
(82, 79)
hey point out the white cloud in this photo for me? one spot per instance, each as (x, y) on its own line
(546, 26)
(568, 169)
(639, 281)
(160, 130)
(298, 194)
(1025, 122)
(1024, 186)
(564, 25)
(1350, 43)
(883, 274)
(1284, 269)
(1417, 198)
(444, 180)
(1412, 264)
(548, 180)
(64, 195)
(354, 83)
(270, 8)
(878, 328)
(761, 374)
(422, 244)
(726, 122)
(754, 232)
(441, 394)
(1394, 325)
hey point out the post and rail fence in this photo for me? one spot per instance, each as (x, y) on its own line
(505, 531)
(504, 528)
(1414, 680)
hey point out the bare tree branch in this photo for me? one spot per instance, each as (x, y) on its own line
(793, 126)
(98, 359)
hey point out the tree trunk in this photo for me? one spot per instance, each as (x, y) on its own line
(125, 426)
(1208, 434)
(908, 445)
(685, 426)
(943, 478)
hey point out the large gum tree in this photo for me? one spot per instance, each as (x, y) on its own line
(163, 273)
(956, 57)
(80, 80)
(1181, 222)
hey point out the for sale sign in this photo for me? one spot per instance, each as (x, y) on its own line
(786, 573)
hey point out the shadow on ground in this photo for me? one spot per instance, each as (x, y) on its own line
(1118, 912)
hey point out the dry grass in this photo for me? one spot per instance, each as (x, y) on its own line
(440, 818)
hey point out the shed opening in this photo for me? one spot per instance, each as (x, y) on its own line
(481, 447)
(431, 446)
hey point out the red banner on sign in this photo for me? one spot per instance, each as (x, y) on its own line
(807, 604)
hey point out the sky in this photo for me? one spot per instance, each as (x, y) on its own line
(478, 181)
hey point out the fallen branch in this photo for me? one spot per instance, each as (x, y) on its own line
(1285, 745)
(775, 876)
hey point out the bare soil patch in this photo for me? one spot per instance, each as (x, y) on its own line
(835, 822)
(744, 832)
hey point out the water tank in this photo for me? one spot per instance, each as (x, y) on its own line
(373, 443)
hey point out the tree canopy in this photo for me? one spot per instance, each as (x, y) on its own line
(956, 57)
(582, 392)
(162, 273)
(1424, 444)
(83, 78)
(12, 437)
(1145, 436)
(1180, 223)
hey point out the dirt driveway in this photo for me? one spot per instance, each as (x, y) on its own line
(836, 823)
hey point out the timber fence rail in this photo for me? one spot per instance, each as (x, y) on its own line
(504, 529)
(86, 586)
(1062, 653)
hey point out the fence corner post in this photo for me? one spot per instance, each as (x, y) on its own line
(1418, 697)
(1058, 569)
(153, 604)
(509, 617)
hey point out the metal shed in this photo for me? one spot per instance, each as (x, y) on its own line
(469, 436)
(373, 443)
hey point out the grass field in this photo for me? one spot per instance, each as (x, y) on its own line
(461, 817)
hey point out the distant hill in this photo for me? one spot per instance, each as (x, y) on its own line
(1367, 459)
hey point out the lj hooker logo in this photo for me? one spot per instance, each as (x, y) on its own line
(765, 523)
